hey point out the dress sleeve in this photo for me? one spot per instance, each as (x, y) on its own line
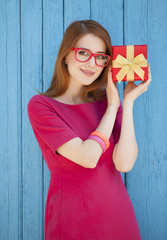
(48, 124)
(117, 125)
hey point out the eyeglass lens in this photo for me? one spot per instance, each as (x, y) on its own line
(83, 55)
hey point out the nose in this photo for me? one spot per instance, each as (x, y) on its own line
(91, 61)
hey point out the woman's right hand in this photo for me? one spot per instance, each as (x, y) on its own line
(113, 97)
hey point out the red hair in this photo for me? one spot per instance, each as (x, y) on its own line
(60, 79)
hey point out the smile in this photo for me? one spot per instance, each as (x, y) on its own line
(87, 72)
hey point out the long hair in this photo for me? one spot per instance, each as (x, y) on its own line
(60, 79)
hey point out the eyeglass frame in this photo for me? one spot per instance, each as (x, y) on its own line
(91, 55)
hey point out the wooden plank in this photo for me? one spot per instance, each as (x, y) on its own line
(145, 23)
(10, 120)
(137, 186)
(52, 37)
(75, 10)
(31, 48)
(110, 15)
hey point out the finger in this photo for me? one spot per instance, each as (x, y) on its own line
(139, 89)
(111, 83)
(149, 73)
(148, 81)
(114, 82)
(145, 83)
(110, 76)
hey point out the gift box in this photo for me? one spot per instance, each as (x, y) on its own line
(129, 63)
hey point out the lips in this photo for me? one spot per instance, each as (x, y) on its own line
(87, 72)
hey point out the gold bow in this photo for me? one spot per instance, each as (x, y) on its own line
(129, 65)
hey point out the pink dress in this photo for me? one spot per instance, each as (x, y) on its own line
(82, 203)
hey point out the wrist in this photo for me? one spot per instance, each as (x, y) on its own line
(128, 101)
(112, 107)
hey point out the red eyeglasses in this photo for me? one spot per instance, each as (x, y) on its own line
(83, 55)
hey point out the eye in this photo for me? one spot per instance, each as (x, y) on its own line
(102, 57)
(83, 53)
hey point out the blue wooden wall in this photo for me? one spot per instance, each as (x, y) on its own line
(30, 36)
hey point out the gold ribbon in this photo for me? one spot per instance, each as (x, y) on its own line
(129, 65)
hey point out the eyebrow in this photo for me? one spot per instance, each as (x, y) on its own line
(90, 50)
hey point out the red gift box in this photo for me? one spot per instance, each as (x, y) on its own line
(129, 63)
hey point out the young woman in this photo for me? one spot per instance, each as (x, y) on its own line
(87, 138)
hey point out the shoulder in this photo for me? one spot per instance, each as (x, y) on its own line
(36, 98)
(33, 103)
(38, 101)
(38, 104)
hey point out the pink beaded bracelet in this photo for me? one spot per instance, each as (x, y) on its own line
(99, 140)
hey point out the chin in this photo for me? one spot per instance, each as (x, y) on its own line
(89, 83)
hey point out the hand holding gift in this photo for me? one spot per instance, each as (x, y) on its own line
(132, 91)
(129, 63)
(112, 93)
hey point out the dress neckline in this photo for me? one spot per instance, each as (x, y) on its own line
(66, 104)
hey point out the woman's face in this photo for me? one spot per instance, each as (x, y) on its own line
(86, 72)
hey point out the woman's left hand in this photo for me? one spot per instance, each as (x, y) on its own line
(132, 91)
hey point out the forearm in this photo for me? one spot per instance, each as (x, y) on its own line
(106, 125)
(126, 151)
